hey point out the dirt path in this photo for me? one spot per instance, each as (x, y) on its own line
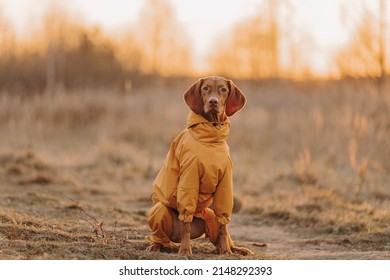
(281, 243)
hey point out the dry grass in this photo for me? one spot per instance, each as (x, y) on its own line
(311, 158)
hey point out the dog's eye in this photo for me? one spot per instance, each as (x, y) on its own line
(224, 89)
(205, 88)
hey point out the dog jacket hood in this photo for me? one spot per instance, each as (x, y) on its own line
(198, 171)
(207, 132)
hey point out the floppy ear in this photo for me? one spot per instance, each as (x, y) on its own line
(193, 99)
(235, 101)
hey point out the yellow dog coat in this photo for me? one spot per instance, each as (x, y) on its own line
(197, 172)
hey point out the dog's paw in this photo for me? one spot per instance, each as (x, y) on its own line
(241, 251)
(185, 250)
(154, 247)
(225, 251)
(224, 248)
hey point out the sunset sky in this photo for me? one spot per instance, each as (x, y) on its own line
(322, 26)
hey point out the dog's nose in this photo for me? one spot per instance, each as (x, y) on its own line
(213, 101)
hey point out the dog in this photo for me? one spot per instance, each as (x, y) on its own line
(198, 172)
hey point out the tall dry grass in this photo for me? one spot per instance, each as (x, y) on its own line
(282, 120)
(296, 147)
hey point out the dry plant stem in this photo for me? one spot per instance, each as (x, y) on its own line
(303, 167)
(116, 222)
(98, 227)
(154, 247)
(360, 169)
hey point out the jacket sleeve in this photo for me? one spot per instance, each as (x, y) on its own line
(166, 181)
(188, 189)
(223, 197)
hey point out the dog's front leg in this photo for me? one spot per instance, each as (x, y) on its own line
(224, 247)
(185, 246)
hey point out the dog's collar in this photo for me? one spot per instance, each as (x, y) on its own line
(194, 119)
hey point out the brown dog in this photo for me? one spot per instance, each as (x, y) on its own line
(197, 172)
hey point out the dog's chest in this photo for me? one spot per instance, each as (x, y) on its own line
(211, 159)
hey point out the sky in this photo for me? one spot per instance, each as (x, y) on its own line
(321, 25)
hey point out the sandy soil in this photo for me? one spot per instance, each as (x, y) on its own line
(282, 243)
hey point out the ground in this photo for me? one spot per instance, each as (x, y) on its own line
(310, 171)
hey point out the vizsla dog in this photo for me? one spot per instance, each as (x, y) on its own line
(198, 172)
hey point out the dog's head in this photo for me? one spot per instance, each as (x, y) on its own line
(214, 95)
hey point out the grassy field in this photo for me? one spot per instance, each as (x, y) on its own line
(311, 169)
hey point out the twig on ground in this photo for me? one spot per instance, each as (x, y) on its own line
(97, 227)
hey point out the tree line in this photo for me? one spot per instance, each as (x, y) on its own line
(64, 52)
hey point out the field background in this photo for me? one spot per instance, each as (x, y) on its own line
(311, 171)
(91, 96)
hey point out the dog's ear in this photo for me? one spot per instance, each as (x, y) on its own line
(193, 98)
(235, 101)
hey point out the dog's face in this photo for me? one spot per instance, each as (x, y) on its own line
(214, 92)
(214, 95)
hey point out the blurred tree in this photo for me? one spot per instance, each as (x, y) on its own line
(7, 50)
(165, 47)
(7, 36)
(91, 62)
(252, 49)
(76, 56)
(128, 51)
(62, 52)
(296, 44)
(382, 40)
(365, 54)
(59, 33)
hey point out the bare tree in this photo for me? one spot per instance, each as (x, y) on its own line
(165, 48)
(56, 29)
(252, 49)
(7, 50)
(382, 40)
(7, 36)
(365, 54)
(128, 51)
